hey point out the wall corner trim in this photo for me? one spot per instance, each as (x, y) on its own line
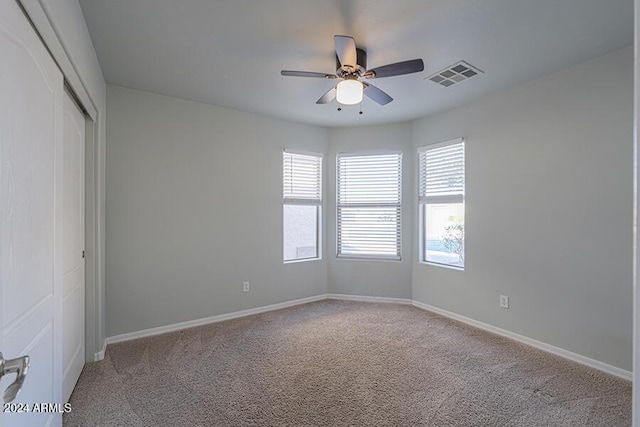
(100, 355)
(574, 357)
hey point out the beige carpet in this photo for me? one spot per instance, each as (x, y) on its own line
(335, 363)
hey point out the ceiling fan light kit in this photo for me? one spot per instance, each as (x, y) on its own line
(349, 92)
(351, 64)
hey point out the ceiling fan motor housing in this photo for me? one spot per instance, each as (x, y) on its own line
(361, 56)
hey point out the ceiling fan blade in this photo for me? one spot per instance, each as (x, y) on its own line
(397, 69)
(307, 74)
(378, 95)
(327, 97)
(346, 51)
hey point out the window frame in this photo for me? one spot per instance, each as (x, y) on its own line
(423, 201)
(398, 206)
(292, 201)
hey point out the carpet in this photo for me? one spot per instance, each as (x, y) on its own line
(339, 363)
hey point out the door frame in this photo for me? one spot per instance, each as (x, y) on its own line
(636, 219)
(95, 153)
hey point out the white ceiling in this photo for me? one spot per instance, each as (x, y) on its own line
(230, 52)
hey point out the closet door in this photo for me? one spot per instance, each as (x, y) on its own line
(31, 209)
(73, 246)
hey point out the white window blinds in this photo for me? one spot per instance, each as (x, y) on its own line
(369, 205)
(302, 178)
(441, 171)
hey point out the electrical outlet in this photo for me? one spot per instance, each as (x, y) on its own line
(245, 286)
(504, 301)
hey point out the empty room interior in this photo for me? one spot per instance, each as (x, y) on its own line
(319, 213)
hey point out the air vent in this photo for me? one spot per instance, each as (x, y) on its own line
(455, 73)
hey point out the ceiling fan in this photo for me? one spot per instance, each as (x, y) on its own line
(351, 64)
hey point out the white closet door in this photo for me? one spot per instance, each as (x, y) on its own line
(73, 246)
(31, 113)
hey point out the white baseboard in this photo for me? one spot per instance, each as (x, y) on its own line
(100, 355)
(361, 298)
(621, 373)
(592, 363)
(198, 322)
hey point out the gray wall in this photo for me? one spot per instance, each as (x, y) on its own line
(362, 277)
(194, 208)
(548, 209)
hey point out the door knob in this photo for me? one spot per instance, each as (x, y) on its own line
(19, 366)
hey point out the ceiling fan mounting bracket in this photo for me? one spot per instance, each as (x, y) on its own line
(361, 66)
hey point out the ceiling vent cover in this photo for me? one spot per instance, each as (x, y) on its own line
(455, 74)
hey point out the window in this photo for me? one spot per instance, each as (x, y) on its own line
(441, 198)
(369, 206)
(302, 205)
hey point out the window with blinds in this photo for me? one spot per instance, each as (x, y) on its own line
(369, 199)
(302, 205)
(441, 198)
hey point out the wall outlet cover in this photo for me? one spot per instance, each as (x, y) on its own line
(504, 301)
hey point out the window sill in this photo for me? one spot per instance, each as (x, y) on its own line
(367, 258)
(297, 261)
(435, 264)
